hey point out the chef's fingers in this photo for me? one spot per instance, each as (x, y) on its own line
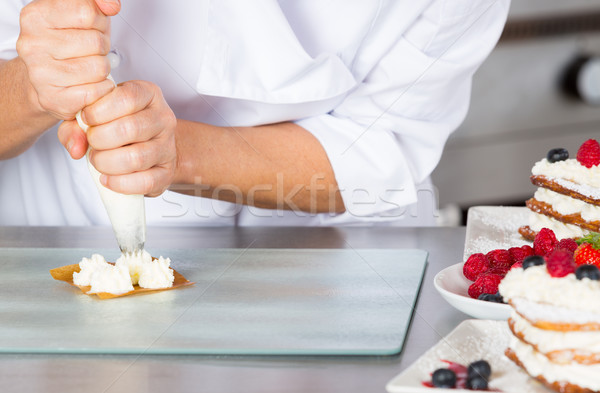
(70, 72)
(128, 98)
(152, 182)
(140, 127)
(73, 14)
(64, 102)
(63, 44)
(73, 138)
(74, 43)
(109, 7)
(136, 157)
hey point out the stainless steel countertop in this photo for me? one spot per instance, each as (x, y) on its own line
(432, 319)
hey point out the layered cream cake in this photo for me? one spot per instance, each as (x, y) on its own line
(555, 323)
(568, 196)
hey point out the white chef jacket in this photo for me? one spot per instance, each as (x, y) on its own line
(381, 84)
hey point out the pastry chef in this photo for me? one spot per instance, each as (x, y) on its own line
(232, 112)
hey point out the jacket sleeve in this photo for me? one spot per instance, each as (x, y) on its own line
(387, 135)
(10, 11)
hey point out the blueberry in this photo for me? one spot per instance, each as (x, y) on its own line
(533, 260)
(443, 378)
(491, 297)
(590, 271)
(559, 154)
(479, 369)
(477, 383)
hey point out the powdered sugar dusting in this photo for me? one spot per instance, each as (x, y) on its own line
(493, 227)
(472, 340)
(583, 189)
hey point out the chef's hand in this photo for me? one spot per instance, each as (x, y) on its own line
(64, 46)
(132, 136)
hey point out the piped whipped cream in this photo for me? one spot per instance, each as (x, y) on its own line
(572, 175)
(131, 269)
(566, 205)
(146, 272)
(157, 274)
(541, 312)
(536, 364)
(570, 170)
(547, 341)
(561, 230)
(101, 276)
(536, 285)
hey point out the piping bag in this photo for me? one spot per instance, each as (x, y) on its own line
(127, 213)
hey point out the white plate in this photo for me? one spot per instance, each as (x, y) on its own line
(453, 286)
(488, 228)
(493, 227)
(472, 340)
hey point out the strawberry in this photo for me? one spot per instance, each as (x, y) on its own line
(588, 154)
(588, 252)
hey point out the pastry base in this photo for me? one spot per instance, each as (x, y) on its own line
(574, 219)
(542, 181)
(562, 356)
(561, 387)
(65, 273)
(559, 327)
(527, 233)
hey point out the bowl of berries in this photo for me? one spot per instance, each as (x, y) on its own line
(453, 286)
(472, 286)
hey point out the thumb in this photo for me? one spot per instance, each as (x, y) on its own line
(73, 138)
(109, 7)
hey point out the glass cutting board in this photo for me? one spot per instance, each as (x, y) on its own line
(247, 302)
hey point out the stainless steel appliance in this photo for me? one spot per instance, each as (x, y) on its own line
(539, 89)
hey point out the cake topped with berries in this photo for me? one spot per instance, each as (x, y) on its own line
(555, 319)
(568, 196)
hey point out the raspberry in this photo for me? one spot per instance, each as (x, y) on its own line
(520, 253)
(499, 270)
(500, 258)
(544, 242)
(516, 265)
(560, 263)
(487, 283)
(475, 265)
(588, 154)
(567, 244)
(527, 248)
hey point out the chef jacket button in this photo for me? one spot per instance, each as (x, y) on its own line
(115, 58)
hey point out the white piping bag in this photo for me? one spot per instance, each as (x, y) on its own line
(127, 213)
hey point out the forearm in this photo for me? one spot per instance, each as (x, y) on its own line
(279, 166)
(22, 120)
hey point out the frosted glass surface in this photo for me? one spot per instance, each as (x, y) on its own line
(254, 301)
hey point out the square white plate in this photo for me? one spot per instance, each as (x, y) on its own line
(472, 340)
(493, 227)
